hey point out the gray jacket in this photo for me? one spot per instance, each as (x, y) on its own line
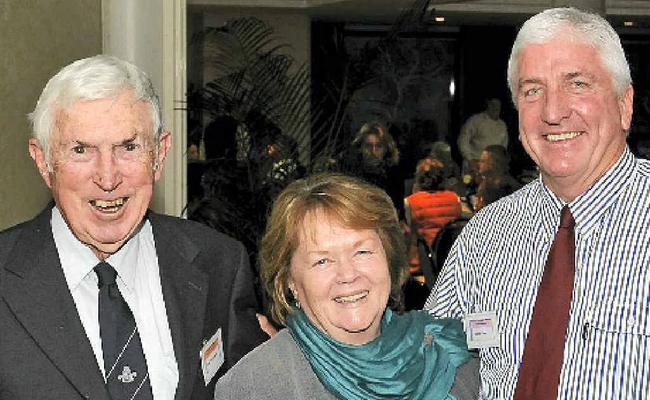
(277, 369)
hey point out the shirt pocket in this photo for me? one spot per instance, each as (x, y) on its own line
(619, 319)
(615, 348)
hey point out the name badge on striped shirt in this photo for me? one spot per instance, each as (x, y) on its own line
(482, 330)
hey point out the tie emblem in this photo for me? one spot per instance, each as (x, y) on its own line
(127, 376)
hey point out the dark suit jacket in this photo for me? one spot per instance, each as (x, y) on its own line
(206, 281)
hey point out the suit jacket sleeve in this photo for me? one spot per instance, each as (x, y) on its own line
(245, 333)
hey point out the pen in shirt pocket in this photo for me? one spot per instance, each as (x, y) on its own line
(585, 331)
(586, 326)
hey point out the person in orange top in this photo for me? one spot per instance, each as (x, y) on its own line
(430, 208)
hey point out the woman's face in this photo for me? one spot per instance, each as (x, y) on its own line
(341, 278)
(486, 163)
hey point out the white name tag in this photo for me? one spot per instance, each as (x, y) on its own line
(212, 356)
(482, 330)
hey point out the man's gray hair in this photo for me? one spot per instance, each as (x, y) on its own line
(591, 29)
(92, 78)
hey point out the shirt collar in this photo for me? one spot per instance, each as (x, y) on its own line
(78, 260)
(550, 209)
(588, 208)
(125, 260)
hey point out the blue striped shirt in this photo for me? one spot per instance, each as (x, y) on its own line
(498, 261)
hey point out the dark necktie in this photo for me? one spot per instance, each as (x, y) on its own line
(539, 375)
(127, 377)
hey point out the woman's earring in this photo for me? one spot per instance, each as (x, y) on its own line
(297, 304)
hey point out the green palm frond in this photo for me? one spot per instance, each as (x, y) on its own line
(254, 75)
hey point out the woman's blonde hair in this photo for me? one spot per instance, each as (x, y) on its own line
(354, 203)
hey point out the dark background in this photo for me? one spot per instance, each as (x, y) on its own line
(479, 57)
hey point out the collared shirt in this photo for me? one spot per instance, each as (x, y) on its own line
(498, 261)
(138, 279)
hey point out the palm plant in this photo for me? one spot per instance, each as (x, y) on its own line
(263, 88)
(266, 93)
(255, 78)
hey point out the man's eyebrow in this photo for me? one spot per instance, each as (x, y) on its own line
(81, 143)
(577, 74)
(129, 140)
(530, 81)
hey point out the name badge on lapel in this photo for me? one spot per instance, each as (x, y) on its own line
(212, 356)
(482, 330)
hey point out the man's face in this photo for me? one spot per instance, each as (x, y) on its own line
(494, 109)
(103, 159)
(374, 147)
(571, 121)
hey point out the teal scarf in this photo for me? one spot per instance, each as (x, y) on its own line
(414, 357)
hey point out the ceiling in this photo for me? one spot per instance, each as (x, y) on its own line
(386, 11)
(455, 12)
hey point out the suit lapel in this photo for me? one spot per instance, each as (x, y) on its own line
(185, 289)
(37, 293)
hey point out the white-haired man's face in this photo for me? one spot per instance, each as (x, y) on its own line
(104, 163)
(571, 121)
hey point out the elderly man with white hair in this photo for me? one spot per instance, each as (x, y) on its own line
(101, 298)
(553, 280)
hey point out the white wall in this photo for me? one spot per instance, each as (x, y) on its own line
(151, 34)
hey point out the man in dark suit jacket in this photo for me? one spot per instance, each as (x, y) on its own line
(99, 145)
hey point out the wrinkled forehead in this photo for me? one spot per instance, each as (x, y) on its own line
(321, 216)
(119, 115)
(373, 139)
(320, 219)
(563, 57)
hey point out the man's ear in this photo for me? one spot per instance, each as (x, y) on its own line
(38, 155)
(626, 104)
(164, 145)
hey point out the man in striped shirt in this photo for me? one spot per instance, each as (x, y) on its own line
(571, 84)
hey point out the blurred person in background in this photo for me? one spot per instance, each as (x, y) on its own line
(479, 131)
(496, 181)
(430, 208)
(374, 157)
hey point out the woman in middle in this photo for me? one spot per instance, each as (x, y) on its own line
(333, 260)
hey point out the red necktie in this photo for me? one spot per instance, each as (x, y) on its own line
(539, 374)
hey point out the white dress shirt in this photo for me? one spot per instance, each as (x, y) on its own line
(138, 279)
